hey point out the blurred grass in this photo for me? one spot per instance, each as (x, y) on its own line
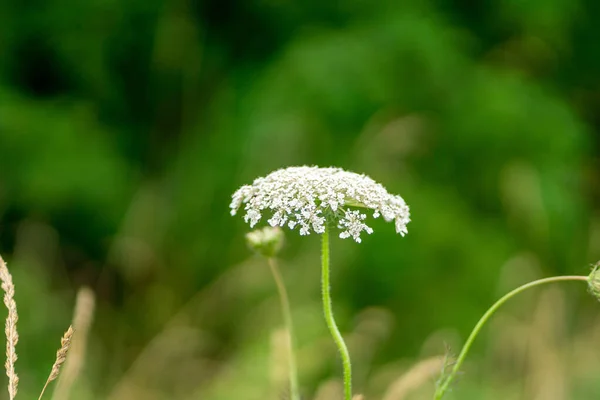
(125, 127)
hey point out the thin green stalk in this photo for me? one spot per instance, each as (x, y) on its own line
(287, 320)
(327, 309)
(441, 390)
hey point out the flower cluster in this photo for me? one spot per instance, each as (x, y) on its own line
(307, 196)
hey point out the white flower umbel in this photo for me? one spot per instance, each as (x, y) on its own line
(308, 197)
(313, 199)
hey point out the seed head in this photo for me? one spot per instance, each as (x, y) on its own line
(266, 241)
(309, 197)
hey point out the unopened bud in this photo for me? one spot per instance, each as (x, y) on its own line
(266, 241)
(594, 281)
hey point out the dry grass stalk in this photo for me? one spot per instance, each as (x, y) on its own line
(279, 361)
(414, 378)
(12, 337)
(546, 377)
(330, 390)
(61, 356)
(82, 322)
(358, 397)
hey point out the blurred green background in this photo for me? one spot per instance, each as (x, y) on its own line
(126, 126)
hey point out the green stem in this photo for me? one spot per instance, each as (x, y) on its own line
(327, 309)
(287, 320)
(441, 390)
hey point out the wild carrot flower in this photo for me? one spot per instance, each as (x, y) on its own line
(308, 197)
(313, 198)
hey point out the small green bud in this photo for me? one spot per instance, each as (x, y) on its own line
(594, 281)
(266, 241)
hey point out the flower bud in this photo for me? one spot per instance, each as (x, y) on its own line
(266, 241)
(594, 281)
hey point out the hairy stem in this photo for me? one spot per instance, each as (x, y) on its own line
(445, 383)
(328, 311)
(287, 320)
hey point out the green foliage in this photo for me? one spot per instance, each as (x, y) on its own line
(125, 127)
